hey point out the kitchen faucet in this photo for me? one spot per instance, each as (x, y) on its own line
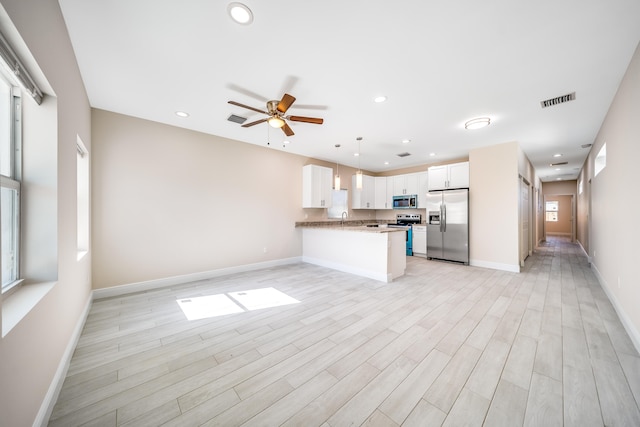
(344, 214)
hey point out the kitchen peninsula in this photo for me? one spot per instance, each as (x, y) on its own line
(372, 250)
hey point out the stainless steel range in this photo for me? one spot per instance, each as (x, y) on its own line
(405, 221)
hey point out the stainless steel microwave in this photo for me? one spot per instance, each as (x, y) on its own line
(409, 201)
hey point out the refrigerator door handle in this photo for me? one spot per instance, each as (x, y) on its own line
(444, 218)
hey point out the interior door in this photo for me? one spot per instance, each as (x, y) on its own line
(456, 229)
(524, 221)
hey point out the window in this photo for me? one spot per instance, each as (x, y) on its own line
(82, 172)
(551, 209)
(10, 165)
(601, 160)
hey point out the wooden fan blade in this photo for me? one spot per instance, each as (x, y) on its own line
(315, 120)
(285, 102)
(255, 123)
(247, 107)
(287, 130)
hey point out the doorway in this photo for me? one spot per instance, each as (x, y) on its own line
(559, 215)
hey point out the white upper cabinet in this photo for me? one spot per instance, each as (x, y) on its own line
(405, 184)
(316, 186)
(423, 189)
(384, 192)
(365, 198)
(444, 177)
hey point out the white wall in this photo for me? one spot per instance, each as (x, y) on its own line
(31, 353)
(613, 242)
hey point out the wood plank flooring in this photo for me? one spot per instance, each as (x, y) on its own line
(444, 345)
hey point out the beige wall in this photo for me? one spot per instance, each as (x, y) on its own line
(613, 240)
(562, 226)
(169, 202)
(31, 353)
(493, 206)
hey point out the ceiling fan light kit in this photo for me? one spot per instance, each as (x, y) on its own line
(276, 122)
(477, 123)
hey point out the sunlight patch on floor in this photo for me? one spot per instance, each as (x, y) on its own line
(233, 302)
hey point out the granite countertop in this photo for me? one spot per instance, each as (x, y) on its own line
(369, 226)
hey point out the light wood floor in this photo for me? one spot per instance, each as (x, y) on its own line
(444, 345)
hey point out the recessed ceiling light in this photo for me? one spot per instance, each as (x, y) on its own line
(182, 114)
(356, 154)
(406, 141)
(286, 141)
(386, 163)
(557, 155)
(477, 123)
(380, 98)
(240, 13)
(432, 154)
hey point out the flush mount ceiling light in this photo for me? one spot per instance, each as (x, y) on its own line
(432, 154)
(276, 122)
(477, 123)
(406, 141)
(557, 155)
(380, 99)
(182, 114)
(240, 13)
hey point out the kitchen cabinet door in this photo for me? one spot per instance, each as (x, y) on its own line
(412, 183)
(438, 176)
(459, 175)
(399, 185)
(423, 189)
(365, 198)
(383, 192)
(316, 186)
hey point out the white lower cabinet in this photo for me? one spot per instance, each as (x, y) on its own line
(419, 243)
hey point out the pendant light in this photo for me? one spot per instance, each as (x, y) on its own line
(336, 182)
(359, 173)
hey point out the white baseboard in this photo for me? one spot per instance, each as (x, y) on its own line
(633, 332)
(513, 268)
(50, 399)
(584, 251)
(186, 278)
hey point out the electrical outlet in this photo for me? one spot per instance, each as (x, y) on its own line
(264, 250)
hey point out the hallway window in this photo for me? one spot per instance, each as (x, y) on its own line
(551, 211)
(9, 182)
(82, 172)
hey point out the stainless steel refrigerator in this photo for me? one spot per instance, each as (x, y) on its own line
(448, 225)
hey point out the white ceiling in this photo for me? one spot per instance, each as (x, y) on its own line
(439, 63)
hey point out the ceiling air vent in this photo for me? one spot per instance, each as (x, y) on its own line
(405, 154)
(558, 164)
(586, 145)
(237, 119)
(558, 100)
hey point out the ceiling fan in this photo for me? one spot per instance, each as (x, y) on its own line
(276, 111)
